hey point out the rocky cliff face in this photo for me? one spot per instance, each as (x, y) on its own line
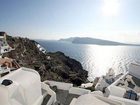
(51, 66)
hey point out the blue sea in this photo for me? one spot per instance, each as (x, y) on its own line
(97, 59)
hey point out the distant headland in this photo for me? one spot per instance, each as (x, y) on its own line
(88, 40)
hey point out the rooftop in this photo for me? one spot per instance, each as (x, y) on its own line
(130, 85)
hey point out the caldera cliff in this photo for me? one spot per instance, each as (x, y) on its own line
(51, 66)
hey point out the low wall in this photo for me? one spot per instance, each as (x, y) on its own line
(117, 91)
(78, 91)
(60, 85)
(126, 101)
(73, 101)
(86, 85)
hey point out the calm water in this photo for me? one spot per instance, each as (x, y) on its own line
(95, 58)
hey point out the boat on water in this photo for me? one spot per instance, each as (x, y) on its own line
(23, 86)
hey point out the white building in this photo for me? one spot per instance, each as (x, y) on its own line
(127, 87)
(23, 87)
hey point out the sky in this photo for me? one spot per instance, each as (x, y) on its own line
(117, 20)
